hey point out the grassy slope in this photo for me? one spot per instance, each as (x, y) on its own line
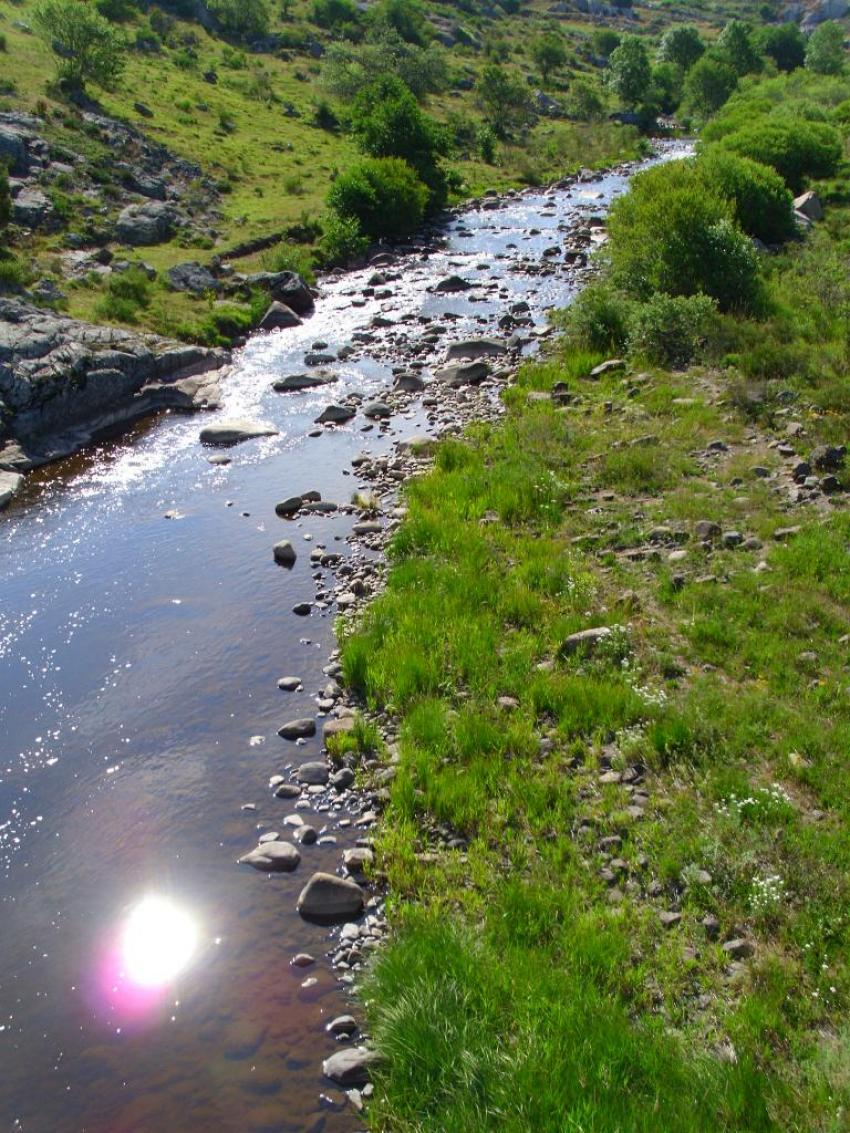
(533, 983)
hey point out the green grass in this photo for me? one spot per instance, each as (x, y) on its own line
(524, 988)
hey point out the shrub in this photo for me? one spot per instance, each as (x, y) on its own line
(86, 46)
(708, 84)
(796, 149)
(387, 122)
(383, 194)
(127, 293)
(785, 44)
(669, 233)
(736, 45)
(485, 143)
(243, 20)
(333, 13)
(14, 272)
(681, 46)
(825, 50)
(549, 54)
(348, 68)
(407, 17)
(762, 204)
(604, 41)
(628, 73)
(670, 329)
(119, 11)
(343, 240)
(503, 99)
(290, 257)
(599, 317)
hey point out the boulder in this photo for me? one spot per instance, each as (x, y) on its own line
(274, 857)
(328, 899)
(288, 507)
(293, 383)
(151, 223)
(279, 317)
(585, 641)
(474, 348)
(10, 484)
(286, 287)
(453, 283)
(192, 277)
(828, 458)
(336, 415)
(351, 1066)
(463, 373)
(809, 205)
(409, 383)
(284, 553)
(234, 432)
(376, 410)
(611, 366)
(298, 729)
(314, 774)
(337, 727)
(32, 209)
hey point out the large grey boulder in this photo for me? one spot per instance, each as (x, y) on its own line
(298, 729)
(286, 287)
(585, 641)
(809, 205)
(293, 383)
(328, 899)
(32, 209)
(474, 348)
(10, 483)
(151, 223)
(463, 373)
(336, 415)
(227, 433)
(273, 857)
(193, 277)
(279, 317)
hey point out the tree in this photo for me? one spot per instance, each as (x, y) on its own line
(407, 17)
(708, 84)
(387, 121)
(785, 44)
(384, 196)
(244, 20)
(825, 51)
(735, 43)
(665, 89)
(347, 68)
(604, 41)
(585, 101)
(629, 72)
(682, 46)
(503, 99)
(87, 47)
(549, 53)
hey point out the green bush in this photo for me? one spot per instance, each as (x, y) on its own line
(708, 84)
(681, 46)
(669, 233)
(785, 44)
(598, 317)
(243, 20)
(333, 13)
(825, 49)
(127, 293)
(86, 46)
(406, 17)
(670, 329)
(343, 240)
(14, 272)
(762, 204)
(383, 194)
(796, 149)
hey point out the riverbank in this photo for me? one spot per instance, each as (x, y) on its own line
(609, 657)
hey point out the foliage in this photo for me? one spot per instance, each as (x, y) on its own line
(669, 234)
(387, 122)
(585, 101)
(549, 54)
(762, 204)
(604, 41)
(628, 73)
(243, 20)
(86, 46)
(334, 13)
(795, 148)
(735, 43)
(598, 317)
(347, 68)
(670, 329)
(504, 100)
(825, 50)
(682, 46)
(665, 89)
(785, 44)
(127, 293)
(343, 240)
(708, 85)
(383, 194)
(406, 17)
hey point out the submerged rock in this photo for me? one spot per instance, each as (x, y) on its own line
(350, 1067)
(234, 432)
(327, 899)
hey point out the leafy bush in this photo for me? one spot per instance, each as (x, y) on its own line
(14, 272)
(708, 84)
(290, 257)
(785, 44)
(736, 44)
(671, 234)
(549, 54)
(406, 17)
(795, 149)
(670, 329)
(343, 240)
(604, 41)
(504, 100)
(681, 46)
(825, 50)
(387, 122)
(383, 194)
(86, 46)
(598, 317)
(334, 13)
(762, 204)
(127, 293)
(119, 11)
(348, 68)
(243, 20)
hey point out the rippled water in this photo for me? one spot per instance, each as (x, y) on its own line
(138, 712)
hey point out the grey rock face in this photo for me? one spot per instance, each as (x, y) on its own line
(62, 380)
(150, 223)
(192, 277)
(327, 899)
(32, 209)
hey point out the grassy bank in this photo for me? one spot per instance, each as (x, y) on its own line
(619, 875)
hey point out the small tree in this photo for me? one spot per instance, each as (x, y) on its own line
(604, 41)
(384, 196)
(585, 101)
(87, 47)
(708, 84)
(629, 71)
(549, 54)
(407, 17)
(825, 52)
(244, 20)
(503, 99)
(785, 44)
(735, 43)
(682, 46)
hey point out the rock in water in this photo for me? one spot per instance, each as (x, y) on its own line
(284, 553)
(314, 774)
(350, 1067)
(298, 729)
(279, 317)
(452, 283)
(275, 857)
(475, 348)
(10, 483)
(292, 383)
(234, 432)
(327, 899)
(463, 373)
(336, 414)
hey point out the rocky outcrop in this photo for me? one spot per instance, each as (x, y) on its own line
(63, 383)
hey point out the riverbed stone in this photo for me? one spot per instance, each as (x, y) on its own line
(233, 432)
(474, 348)
(274, 857)
(289, 684)
(336, 415)
(338, 727)
(327, 899)
(294, 383)
(284, 553)
(315, 773)
(298, 729)
(279, 317)
(350, 1067)
(462, 373)
(377, 410)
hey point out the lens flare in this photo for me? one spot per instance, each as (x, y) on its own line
(158, 942)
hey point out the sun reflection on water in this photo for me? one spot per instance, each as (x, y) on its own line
(158, 941)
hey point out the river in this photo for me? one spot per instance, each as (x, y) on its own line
(145, 978)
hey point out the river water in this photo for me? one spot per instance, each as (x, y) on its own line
(145, 978)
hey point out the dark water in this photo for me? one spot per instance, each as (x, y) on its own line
(138, 712)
